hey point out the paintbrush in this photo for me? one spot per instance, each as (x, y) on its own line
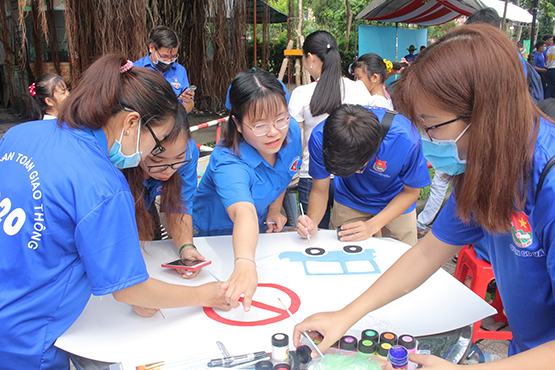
(304, 332)
(307, 231)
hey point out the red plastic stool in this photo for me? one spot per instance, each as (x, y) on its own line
(481, 274)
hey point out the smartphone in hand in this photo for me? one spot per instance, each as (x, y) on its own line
(187, 265)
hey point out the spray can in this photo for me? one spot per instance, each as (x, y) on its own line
(398, 357)
(280, 348)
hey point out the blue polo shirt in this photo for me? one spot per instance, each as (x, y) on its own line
(539, 59)
(243, 177)
(67, 230)
(188, 173)
(398, 162)
(523, 259)
(176, 75)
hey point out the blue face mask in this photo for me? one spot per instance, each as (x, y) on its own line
(121, 160)
(444, 154)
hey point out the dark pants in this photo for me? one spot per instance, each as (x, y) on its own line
(550, 83)
(305, 185)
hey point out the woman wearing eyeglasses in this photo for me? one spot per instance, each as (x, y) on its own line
(242, 190)
(478, 123)
(67, 217)
(163, 50)
(169, 171)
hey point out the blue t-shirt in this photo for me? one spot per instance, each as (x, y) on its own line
(398, 162)
(539, 59)
(523, 259)
(188, 173)
(247, 177)
(176, 75)
(410, 57)
(67, 229)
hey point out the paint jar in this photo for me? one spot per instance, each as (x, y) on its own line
(304, 354)
(388, 337)
(383, 350)
(398, 357)
(264, 365)
(280, 348)
(371, 334)
(367, 347)
(348, 343)
(282, 367)
(411, 344)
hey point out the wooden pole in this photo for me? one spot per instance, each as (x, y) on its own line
(254, 35)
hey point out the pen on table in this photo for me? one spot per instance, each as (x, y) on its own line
(302, 214)
(236, 360)
(304, 332)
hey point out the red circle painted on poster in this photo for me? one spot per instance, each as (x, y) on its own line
(281, 313)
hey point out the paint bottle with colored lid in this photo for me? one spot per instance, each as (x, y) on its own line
(408, 341)
(348, 343)
(388, 337)
(411, 344)
(398, 357)
(367, 347)
(282, 366)
(383, 350)
(371, 334)
(280, 348)
(264, 365)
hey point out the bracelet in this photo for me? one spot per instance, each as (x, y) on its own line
(186, 246)
(246, 259)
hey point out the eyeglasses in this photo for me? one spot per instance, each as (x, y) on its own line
(427, 129)
(263, 128)
(167, 58)
(158, 168)
(158, 147)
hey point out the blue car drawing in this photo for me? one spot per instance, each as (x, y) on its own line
(349, 253)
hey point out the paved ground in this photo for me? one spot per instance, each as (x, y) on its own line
(492, 349)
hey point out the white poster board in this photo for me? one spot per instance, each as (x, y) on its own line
(110, 331)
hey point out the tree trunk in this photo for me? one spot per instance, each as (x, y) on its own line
(349, 15)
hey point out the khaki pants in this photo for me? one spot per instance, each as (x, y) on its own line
(403, 228)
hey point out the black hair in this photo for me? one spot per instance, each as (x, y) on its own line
(352, 135)
(547, 37)
(327, 94)
(548, 107)
(253, 93)
(163, 37)
(104, 91)
(422, 47)
(372, 63)
(43, 88)
(487, 16)
(539, 44)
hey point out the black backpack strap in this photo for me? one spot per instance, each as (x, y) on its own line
(387, 120)
(543, 175)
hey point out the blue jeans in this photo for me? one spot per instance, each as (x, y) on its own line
(305, 185)
(291, 206)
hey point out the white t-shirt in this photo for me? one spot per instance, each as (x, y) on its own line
(550, 57)
(352, 92)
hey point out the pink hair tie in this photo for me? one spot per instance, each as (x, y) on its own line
(32, 89)
(126, 67)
